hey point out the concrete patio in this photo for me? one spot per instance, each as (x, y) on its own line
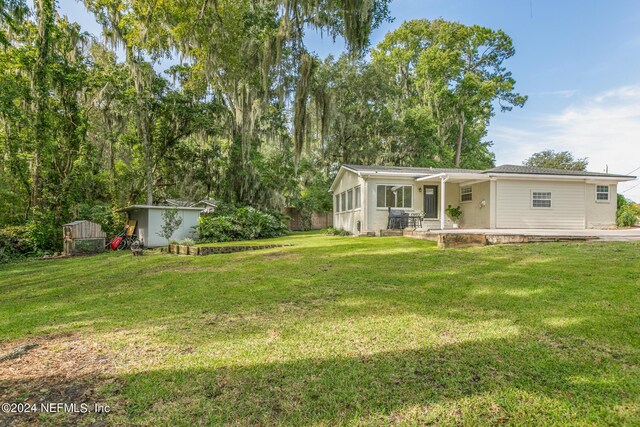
(479, 237)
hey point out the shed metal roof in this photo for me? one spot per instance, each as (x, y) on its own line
(180, 208)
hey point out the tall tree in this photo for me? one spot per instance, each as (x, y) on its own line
(250, 54)
(556, 160)
(454, 70)
(45, 10)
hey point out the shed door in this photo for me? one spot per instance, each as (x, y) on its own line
(430, 201)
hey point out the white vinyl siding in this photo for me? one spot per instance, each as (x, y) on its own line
(514, 208)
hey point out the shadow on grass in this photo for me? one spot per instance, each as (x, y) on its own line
(568, 352)
(524, 284)
(521, 380)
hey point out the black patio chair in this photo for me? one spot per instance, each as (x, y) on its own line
(398, 219)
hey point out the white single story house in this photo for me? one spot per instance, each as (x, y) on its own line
(150, 222)
(508, 196)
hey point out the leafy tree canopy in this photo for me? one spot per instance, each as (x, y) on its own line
(556, 160)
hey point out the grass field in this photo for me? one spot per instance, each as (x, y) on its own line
(331, 331)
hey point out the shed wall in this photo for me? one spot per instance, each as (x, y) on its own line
(186, 230)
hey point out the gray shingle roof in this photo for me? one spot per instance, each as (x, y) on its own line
(517, 169)
(504, 169)
(407, 169)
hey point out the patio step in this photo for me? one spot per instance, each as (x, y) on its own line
(388, 233)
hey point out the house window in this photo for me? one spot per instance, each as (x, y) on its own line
(541, 199)
(337, 203)
(466, 193)
(602, 193)
(349, 200)
(343, 201)
(394, 196)
(358, 201)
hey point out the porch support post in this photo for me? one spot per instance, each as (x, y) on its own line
(442, 182)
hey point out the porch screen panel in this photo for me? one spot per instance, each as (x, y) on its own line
(380, 196)
(407, 196)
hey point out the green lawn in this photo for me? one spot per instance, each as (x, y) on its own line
(338, 330)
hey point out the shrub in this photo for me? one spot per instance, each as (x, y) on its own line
(337, 232)
(186, 242)
(246, 223)
(110, 221)
(45, 232)
(628, 212)
(627, 216)
(16, 244)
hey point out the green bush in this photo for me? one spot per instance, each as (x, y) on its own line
(16, 244)
(337, 232)
(228, 224)
(186, 242)
(44, 232)
(628, 212)
(627, 216)
(110, 221)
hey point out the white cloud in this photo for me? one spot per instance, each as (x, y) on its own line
(605, 128)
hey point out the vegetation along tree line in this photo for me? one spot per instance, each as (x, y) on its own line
(248, 115)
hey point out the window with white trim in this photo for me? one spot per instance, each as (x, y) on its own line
(358, 198)
(394, 196)
(343, 201)
(541, 199)
(349, 200)
(602, 193)
(466, 193)
(337, 203)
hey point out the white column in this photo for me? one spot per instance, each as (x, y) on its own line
(442, 181)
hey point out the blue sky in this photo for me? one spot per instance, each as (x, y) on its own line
(578, 61)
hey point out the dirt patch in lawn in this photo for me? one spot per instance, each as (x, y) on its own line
(58, 370)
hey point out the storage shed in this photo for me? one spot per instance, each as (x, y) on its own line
(149, 223)
(82, 237)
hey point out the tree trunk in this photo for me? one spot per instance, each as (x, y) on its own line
(146, 143)
(44, 16)
(460, 135)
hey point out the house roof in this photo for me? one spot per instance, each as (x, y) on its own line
(510, 169)
(208, 202)
(523, 171)
(407, 170)
(531, 170)
(179, 203)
